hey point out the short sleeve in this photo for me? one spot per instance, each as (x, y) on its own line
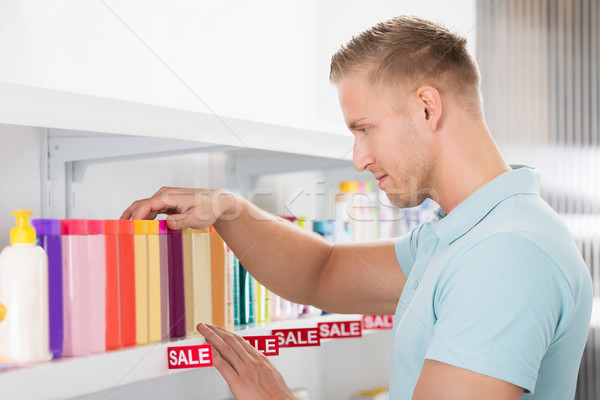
(405, 247)
(497, 309)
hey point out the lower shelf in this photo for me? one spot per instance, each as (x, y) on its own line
(69, 377)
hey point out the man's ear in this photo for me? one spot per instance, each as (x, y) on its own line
(429, 101)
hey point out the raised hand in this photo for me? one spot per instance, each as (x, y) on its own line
(195, 208)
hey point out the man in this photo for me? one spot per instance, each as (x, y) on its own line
(492, 299)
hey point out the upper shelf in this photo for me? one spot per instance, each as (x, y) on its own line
(35, 106)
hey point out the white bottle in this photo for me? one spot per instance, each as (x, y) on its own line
(345, 213)
(24, 296)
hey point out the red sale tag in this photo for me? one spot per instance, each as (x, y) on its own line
(190, 356)
(378, 321)
(268, 345)
(340, 329)
(300, 337)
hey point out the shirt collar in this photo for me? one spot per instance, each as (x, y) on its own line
(474, 208)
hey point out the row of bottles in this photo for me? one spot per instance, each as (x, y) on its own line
(98, 285)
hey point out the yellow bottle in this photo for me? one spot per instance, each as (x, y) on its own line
(263, 303)
(218, 278)
(154, 298)
(140, 242)
(202, 312)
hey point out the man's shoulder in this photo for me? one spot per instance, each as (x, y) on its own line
(530, 221)
(524, 238)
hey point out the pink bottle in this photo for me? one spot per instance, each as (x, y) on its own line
(76, 288)
(97, 276)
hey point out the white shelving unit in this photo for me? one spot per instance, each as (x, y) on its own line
(83, 129)
(74, 115)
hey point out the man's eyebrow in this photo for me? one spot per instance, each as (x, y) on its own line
(354, 123)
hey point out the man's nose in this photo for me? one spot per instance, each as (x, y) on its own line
(361, 155)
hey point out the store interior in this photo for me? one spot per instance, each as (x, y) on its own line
(103, 104)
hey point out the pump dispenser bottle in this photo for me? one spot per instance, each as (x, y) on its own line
(23, 296)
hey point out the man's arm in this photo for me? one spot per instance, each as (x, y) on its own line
(291, 262)
(439, 380)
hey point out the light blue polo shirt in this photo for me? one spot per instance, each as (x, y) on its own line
(498, 287)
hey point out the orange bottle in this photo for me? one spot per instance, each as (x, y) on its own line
(127, 283)
(113, 323)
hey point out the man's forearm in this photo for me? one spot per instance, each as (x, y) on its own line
(286, 259)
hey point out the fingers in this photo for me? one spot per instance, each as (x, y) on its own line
(199, 216)
(150, 207)
(226, 344)
(249, 374)
(166, 200)
(247, 346)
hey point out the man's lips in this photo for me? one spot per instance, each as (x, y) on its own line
(381, 179)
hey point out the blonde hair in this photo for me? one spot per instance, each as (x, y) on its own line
(411, 50)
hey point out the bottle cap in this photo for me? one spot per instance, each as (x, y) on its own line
(95, 227)
(174, 231)
(349, 187)
(162, 227)
(126, 227)
(153, 228)
(22, 233)
(73, 227)
(141, 226)
(46, 227)
(111, 226)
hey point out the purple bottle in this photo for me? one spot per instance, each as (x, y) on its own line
(163, 241)
(176, 288)
(48, 234)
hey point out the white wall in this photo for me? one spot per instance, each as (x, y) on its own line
(264, 60)
(20, 153)
(338, 21)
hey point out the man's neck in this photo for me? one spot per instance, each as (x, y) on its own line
(468, 159)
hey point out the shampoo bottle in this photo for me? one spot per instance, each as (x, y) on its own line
(97, 276)
(127, 281)
(176, 283)
(154, 295)
(24, 296)
(76, 288)
(113, 303)
(48, 236)
(164, 279)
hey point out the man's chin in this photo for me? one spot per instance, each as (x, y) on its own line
(397, 200)
(400, 201)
